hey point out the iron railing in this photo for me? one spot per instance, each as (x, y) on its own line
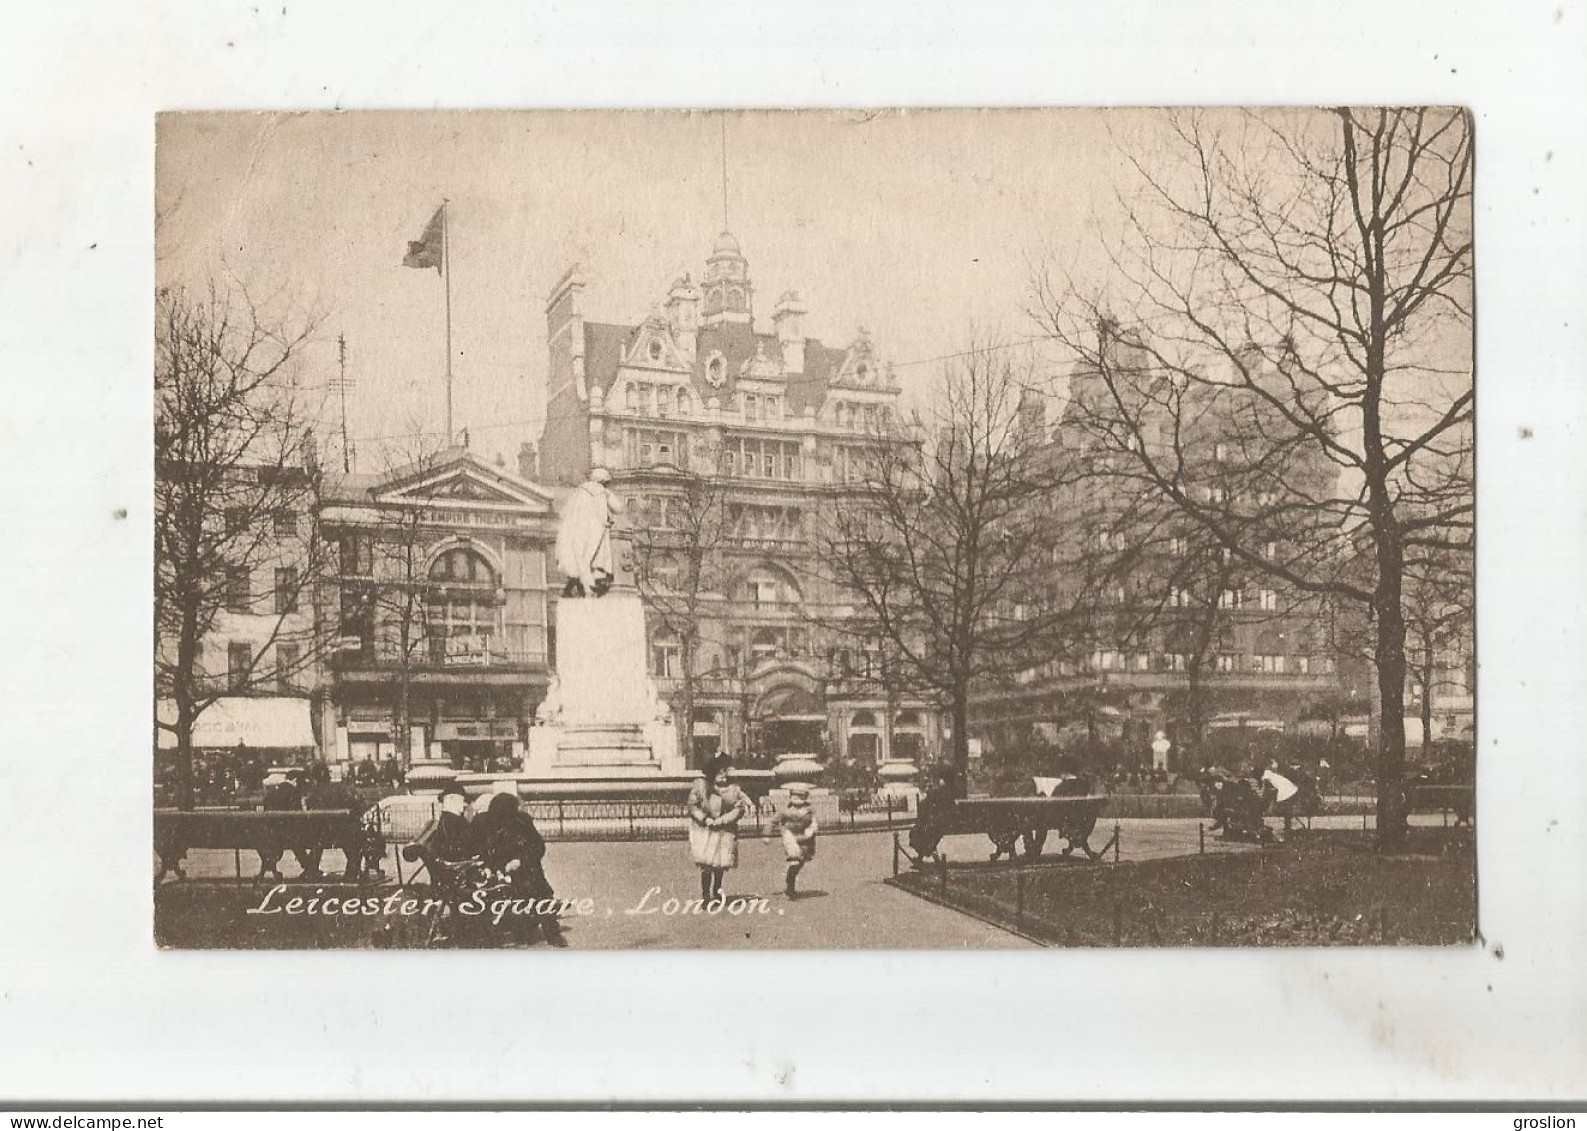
(642, 819)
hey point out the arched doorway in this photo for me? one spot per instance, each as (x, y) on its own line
(864, 738)
(790, 719)
(909, 737)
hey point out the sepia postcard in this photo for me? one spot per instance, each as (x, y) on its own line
(889, 529)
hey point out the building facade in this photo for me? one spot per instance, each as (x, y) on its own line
(1185, 636)
(439, 599)
(256, 660)
(771, 425)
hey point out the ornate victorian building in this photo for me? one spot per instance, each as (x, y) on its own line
(1185, 637)
(769, 425)
(440, 602)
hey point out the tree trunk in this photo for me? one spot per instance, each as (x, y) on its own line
(184, 756)
(886, 752)
(1197, 714)
(184, 691)
(1390, 655)
(401, 739)
(1427, 697)
(960, 707)
(685, 703)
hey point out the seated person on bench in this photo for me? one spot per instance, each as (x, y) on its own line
(453, 839)
(323, 793)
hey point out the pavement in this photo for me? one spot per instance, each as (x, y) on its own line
(638, 894)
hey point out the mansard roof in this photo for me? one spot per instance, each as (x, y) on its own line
(606, 343)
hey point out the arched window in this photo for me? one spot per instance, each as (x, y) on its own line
(764, 645)
(685, 402)
(462, 565)
(461, 613)
(1270, 655)
(666, 655)
(863, 720)
(767, 587)
(633, 397)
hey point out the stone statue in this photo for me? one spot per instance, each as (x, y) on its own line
(584, 538)
(550, 709)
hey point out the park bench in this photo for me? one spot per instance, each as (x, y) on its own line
(268, 833)
(1008, 821)
(1437, 797)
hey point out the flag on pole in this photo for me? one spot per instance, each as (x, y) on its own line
(427, 250)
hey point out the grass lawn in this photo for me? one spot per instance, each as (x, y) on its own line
(1324, 888)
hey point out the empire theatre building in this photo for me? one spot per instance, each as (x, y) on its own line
(440, 595)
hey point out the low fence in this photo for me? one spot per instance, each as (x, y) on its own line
(642, 819)
(1130, 907)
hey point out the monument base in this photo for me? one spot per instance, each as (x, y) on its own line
(602, 717)
(617, 750)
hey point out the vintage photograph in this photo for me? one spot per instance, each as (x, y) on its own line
(942, 529)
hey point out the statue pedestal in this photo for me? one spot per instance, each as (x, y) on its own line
(603, 718)
(899, 779)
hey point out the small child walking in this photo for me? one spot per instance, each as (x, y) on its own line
(796, 821)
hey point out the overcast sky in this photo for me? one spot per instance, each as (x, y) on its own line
(917, 225)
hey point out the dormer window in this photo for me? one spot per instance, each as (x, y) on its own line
(655, 350)
(863, 372)
(716, 370)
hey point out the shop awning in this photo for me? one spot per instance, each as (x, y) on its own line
(275, 722)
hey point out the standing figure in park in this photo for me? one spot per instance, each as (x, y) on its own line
(584, 537)
(796, 821)
(716, 806)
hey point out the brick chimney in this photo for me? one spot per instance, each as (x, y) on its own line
(528, 461)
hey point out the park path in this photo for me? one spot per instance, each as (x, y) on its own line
(845, 902)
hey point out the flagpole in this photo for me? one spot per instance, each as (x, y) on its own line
(446, 272)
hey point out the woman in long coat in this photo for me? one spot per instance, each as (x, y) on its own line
(716, 806)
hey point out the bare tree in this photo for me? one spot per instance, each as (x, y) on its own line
(1192, 619)
(681, 567)
(1438, 618)
(386, 586)
(945, 546)
(1305, 278)
(237, 492)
